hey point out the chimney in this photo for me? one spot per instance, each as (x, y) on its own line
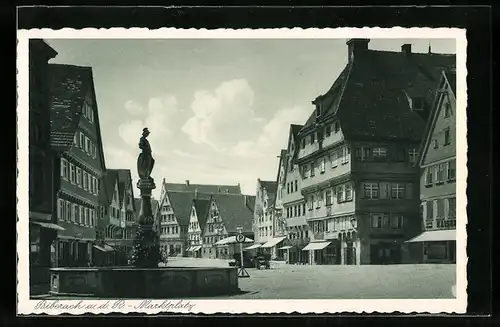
(187, 182)
(406, 48)
(355, 46)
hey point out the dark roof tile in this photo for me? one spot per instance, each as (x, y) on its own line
(182, 203)
(202, 207)
(234, 212)
(203, 188)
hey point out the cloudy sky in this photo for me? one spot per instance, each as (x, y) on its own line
(218, 110)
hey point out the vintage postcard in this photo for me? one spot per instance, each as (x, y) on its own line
(242, 171)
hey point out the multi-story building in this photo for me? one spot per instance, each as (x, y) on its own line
(294, 207)
(76, 140)
(103, 254)
(263, 226)
(43, 225)
(197, 219)
(437, 180)
(358, 151)
(175, 208)
(227, 213)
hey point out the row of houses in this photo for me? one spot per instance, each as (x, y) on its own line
(192, 218)
(80, 212)
(369, 178)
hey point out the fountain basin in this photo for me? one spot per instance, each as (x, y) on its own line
(130, 282)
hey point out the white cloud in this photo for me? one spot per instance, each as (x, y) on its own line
(158, 121)
(134, 108)
(223, 117)
(274, 134)
(181, 153)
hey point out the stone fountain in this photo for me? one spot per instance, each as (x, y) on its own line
(144, 279)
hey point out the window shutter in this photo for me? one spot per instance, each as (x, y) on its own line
(384, 190)
(361, 190)
(409, 191)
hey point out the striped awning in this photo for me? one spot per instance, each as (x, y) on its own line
(255, 246)
(286, 247)
(435, 236)
(196, 248)
(316, 246)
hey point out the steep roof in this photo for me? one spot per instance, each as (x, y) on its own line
(182, 203)
(447, 81)
(202, 188)
(110, 180)
(451, 77)
(68, 87)
(370, 97)
(124, 177)
(202, 206)
(234, 211)
(250, 202)
(270, 186)
(104, 197)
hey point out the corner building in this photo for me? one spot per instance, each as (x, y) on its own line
(358, 156)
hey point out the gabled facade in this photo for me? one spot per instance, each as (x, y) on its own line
(42, 223)
(76, 140)
(278, 217)
(438, 176)
(197, 219)
(294, 206)
(263, 224)
(358, 153)
(226, 214)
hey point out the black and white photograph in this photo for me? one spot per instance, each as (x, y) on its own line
(163, 170)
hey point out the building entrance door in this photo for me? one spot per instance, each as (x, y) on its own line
(350, 254)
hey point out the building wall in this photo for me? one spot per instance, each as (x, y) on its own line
(194, 231)
(263, 218)
(214, 231)
(170, 230)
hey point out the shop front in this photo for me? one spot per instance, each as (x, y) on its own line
(271, 247)
(42, 235)
(438, 246)
(323, 253)
(74, 245)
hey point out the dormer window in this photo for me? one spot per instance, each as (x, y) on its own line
(418, 104)
(318, 110)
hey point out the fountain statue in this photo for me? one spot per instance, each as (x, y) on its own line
(146, 252)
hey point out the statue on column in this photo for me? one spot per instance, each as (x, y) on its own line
(145, 161)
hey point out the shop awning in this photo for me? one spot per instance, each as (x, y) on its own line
(189, 249)
(196, 248)
(255, 246)
(316, 246)
(286, 247)
(100, 248)
(48, 225)
(232, 240)
(273, 242)
(435, 235)
(108, 248)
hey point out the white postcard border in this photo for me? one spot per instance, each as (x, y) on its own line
(27, 306)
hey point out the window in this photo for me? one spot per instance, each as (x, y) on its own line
(60, 212)
(328, 196)
(319, 201)
(74, 213)
(363, 153)
(348, 192)
(305, 171)
(379, 152)
(418, 104)
(82, 140)
(85, 180)
(78, 176)
(322, 166)
(304, 209)
(371, 190)
(376, 220)
(429, 175)
(296, 188)
(68, 211)
(345, 155)
(452, 207)
(312, 168)
(436, 145)
(336, 126)
(399, 154)
(440, 208)
(310, 203)
(397, 191)
(451, 170)
(413, 155)
(429, 206)
(335, 159)
(313, 138)
(447, 137)
(340, 194)
(287, 187)
(328, 130)
(303, 143)
(72, 176)
(447, 108)
(397, 221)
(64, 169)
